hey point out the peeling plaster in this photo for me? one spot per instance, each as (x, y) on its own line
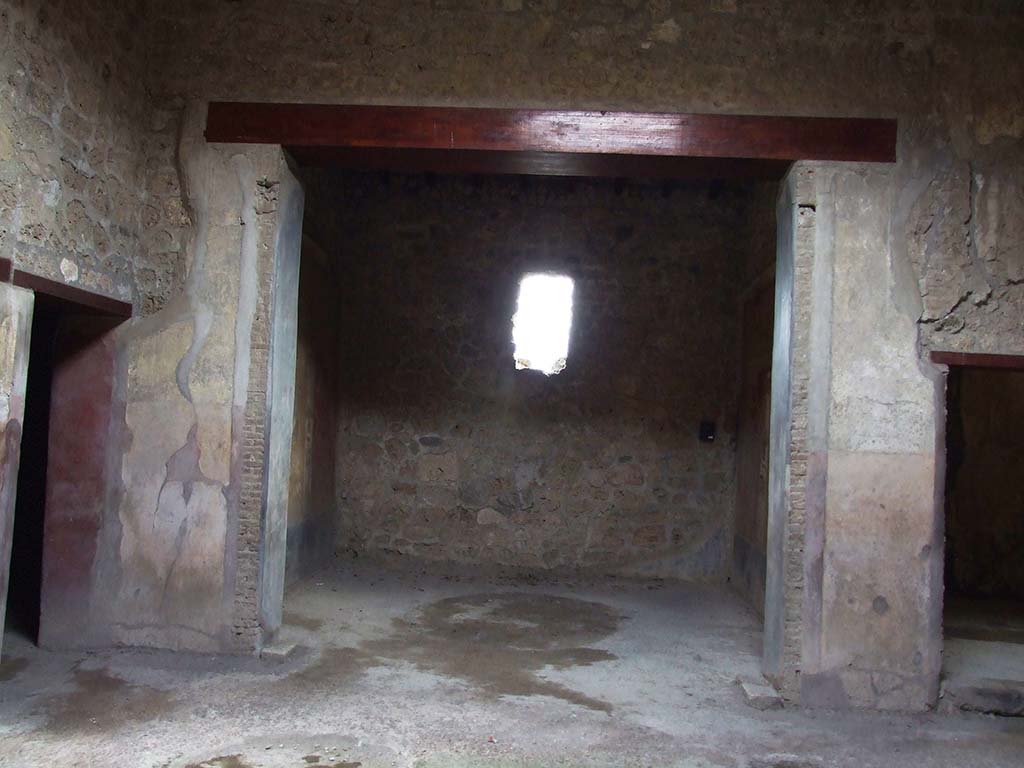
(193, 159)
(183, 467)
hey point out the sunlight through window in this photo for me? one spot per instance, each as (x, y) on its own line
(540, 326)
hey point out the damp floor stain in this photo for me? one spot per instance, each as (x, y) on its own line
(333, 668)
(224, 761)
(305, 622)
(497, 642)
(11, 668)
(104, 702)
(500, 642)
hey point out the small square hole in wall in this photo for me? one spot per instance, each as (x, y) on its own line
(541, 324)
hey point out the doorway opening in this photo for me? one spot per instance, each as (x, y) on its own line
(429, 469)
(403, 486)
(984, 523)
(61, 476)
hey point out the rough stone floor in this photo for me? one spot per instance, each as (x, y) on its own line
(460, 669)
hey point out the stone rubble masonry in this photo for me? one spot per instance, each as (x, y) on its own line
(88, 189)
(965, 239)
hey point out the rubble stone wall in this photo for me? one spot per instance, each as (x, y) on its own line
(88, 190)
(446, 451)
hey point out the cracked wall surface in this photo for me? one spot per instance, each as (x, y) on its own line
(446, 452)
(93, 192)
(965, 239)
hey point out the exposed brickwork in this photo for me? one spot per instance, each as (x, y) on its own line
(252, 493)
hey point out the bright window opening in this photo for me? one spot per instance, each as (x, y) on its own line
(540, 326)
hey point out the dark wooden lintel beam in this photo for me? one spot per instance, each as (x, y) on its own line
(577, 164)
(978, 360)
(549, 131)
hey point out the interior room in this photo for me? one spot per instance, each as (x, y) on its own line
(513, 383)
(984, 574)
(605, 434)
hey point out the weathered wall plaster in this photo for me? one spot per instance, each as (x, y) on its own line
(880, 623)
(868, 593)
(943, 70)
(447, 452)
(15, 330)
(195, 399)
(787, 466)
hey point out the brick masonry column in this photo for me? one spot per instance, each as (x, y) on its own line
(273, 216)
(858, 525)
